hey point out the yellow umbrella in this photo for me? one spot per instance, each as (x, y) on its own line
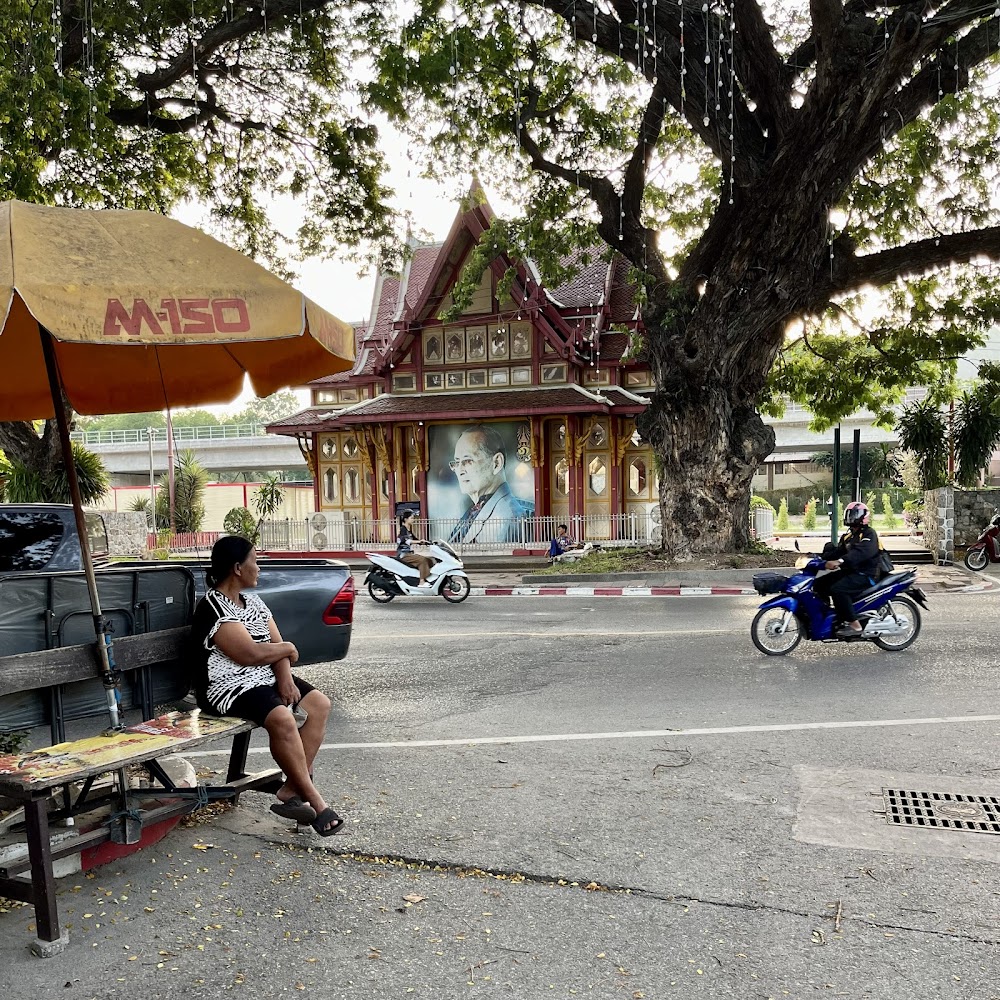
(144, 313)
(130, 311)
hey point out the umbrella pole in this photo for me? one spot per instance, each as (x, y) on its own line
(109, 674)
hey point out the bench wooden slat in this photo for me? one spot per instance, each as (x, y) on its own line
(48, 767)
(66, 664)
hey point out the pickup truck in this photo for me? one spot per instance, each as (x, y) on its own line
(44, 602)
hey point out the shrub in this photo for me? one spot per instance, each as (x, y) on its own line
(889, 518)
(12, 742)
(758, 502)
(913, 513)
(809, 520)
(239, 521)
(782, 523)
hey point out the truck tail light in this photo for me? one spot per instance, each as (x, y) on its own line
(341, 608)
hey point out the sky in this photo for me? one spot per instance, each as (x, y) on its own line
(345, 287)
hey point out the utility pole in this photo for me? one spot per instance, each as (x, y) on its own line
(152, 482)
(856, 484)
(835, 499)
(170, 471)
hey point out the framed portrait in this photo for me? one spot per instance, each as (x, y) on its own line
(553, 373)
(520, 340)
(350, 395)
(476, 379)
(638, 379)
(434, 380)
(596, 376)
(455, 380)
(454, 347)
(499, 343)
(480, 482)
(499, 376)
(433, 350)
(475, 340)
(404, 383)
(520, 376)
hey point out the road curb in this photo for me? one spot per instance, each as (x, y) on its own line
(613, 591)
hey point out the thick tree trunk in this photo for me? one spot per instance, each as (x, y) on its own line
(20, 442)
(707, 451)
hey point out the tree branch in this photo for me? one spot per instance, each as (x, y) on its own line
(759, 67)
(914, 259)
(827, 17)
(223, 32)
(615, 35)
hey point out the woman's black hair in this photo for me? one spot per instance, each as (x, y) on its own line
(404, 516)
(226, 553)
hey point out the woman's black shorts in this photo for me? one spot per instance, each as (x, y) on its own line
(257, 704)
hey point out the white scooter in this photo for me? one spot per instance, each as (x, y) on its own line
(389, 578)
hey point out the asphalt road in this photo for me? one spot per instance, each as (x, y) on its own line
(613, 797)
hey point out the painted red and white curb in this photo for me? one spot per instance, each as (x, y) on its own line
(599, 591)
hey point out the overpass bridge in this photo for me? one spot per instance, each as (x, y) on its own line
(131, 455)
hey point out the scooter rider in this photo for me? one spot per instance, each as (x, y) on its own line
(855, 561)
(404, 549)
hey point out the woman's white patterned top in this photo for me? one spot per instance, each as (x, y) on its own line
(227, 679)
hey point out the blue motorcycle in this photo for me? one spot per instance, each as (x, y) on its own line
(887, 611)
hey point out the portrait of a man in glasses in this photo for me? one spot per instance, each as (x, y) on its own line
(480, 465)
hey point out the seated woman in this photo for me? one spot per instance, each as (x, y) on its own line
(404, 549)
(247, 672)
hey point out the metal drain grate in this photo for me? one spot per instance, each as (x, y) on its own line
(942, 811)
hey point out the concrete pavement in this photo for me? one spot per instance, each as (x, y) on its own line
(558, 801)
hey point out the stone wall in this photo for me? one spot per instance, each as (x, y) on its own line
(973, 510)
(955, 517)
(128, 532)
(939, 523)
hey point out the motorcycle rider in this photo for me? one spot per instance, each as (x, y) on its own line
(404, 549)
(855, 562)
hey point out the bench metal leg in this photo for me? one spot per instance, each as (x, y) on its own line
(238, 760)
(50, 940)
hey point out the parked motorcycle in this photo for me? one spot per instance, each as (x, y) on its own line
(887, 611)
(986, 548)
(389, 578)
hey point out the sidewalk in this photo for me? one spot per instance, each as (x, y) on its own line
(503, 576)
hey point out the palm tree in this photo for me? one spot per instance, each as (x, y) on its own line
(190, 477)
(23, 483)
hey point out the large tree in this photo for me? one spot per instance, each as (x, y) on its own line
(147, 103)
(761, 164)
(852, 146)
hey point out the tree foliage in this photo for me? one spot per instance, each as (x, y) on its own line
(145, 103)
(763, 166)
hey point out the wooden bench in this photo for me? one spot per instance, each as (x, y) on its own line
(42, 780)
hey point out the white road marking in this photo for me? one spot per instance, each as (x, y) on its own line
(639, 734)
(544, 635)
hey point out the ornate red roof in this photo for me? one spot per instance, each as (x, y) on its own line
(447, 405)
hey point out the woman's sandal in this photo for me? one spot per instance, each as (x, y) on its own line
(294, 808)
(327, 823)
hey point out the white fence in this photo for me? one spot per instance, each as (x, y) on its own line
(336, 532)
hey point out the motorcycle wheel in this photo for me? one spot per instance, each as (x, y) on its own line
(456, 589)
(767, 638)
(976, 559)
(379, 595)
(894, 643)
